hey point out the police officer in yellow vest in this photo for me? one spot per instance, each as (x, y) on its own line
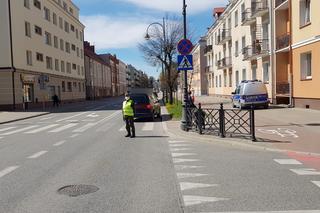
(128, 115)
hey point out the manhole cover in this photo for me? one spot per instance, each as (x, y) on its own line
(77, 190)
(313, 124)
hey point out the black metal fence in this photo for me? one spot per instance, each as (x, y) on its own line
(222, 122)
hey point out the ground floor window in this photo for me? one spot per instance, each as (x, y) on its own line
(254, 73)
(266, 72)
(306, 66)
(28, 93)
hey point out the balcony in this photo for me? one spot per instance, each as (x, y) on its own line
(283, 41)
(208, 49)
(258, 49)
(223, 37)
(224, 63)
(246, 18)
(259, 8)
(282, 3)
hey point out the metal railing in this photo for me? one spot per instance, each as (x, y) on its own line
(208, 49)
(223, 36)
(224, 63)
(283, 41)
(258, 48)
(246, 17)
(279, 2)
(222, 122)
(259, 7)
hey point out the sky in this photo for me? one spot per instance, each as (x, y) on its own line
(118, 26)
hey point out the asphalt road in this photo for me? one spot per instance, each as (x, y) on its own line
(158, 171)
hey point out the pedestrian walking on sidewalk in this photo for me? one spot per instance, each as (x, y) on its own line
(128, 115)
(55, 100)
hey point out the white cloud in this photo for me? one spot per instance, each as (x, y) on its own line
(113, 32)
(194, 6)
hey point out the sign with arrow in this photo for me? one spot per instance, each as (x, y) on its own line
(185, 62)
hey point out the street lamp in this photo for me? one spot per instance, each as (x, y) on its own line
(163, 51)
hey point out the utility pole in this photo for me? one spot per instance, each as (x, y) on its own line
(184, 119)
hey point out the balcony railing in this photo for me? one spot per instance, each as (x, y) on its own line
(246, 17)
(283, 41)
(207, 69)
(223, 37)
(259, 7)
(279, 2)
(208, 49)
(257, 49)
(224, 63)
(282, 88)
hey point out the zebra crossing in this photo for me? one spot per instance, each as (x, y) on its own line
(61, 127)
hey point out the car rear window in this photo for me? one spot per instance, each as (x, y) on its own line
(140, 99)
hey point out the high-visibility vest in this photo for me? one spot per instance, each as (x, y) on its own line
(127, 108)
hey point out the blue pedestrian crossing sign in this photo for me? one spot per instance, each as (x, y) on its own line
(185, 62)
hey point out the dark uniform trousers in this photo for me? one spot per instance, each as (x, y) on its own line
(130, 125)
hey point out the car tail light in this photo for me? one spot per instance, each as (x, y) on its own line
(149, 106)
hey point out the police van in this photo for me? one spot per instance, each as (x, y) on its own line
(250, 92)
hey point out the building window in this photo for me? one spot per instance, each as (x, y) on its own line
(29, 57)
(39, 57)
(236, 18)
(81, 51)
(243, 41)
(230, 78)
(56, 64)
(225, 78)
(266, 72)
(54, 19)
(69, 87)
(49, 63)
(79, 85)
(27, 4)
(63, 85)
(47, 38)
(75, 84)
(237, 78)
(77, 33)
(38, 30)
(80, 36)
(254, 73)
(60, 23)
(236, 49)
(68, 67)
(78, 68)
(305, 12)
(71, 10)
(244, 74)
(67, 47)
(72, 28)
(55, 42)
(37, 4)
(66, 26)
(62, 66)
(74, 66)
(46, 14)
(78, 54)
(82, 71)
(220, 81)
(61, 44)
(27, 29)
(306, 66)
(65, 6)
(73, 47)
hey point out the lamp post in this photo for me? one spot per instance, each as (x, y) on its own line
(163, 50)
(184, 119)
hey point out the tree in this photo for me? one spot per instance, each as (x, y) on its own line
(161, 49)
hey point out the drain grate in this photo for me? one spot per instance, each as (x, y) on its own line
(77, 190)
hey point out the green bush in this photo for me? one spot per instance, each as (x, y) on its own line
(175, 109)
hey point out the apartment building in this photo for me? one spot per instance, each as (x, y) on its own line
(97, 73)
(41, 52)
(231, 47)
(114, 65)
(198, 82)
(122, 78)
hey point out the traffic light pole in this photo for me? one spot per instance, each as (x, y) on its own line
(184, 119)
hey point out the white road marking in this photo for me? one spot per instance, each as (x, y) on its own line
(93, 115)
(179, 145)
(183, 167)
(305, 171)
(190, 200)
(189, 185)
(85, 127)
(122, 129)
(182, 154)
(165, 127)
(287, 161)
(8, 128)
(177, 141)
(59, 143)
(47, 118)
(317, 183)
(291, 211)
(179, 149)
(8, 170)
(62, 128)
(190, 175)
(179, 160)
(38, 154)
(74, 135)
(19, 130)
(148, 127)
(41, 129)
(89, 120)
(67, 118)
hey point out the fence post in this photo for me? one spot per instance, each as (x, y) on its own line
(199, 119)
(252, 124)
(221, 121)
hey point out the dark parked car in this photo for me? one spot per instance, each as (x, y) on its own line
(145, 107)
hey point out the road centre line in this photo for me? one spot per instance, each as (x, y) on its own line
(8, 170)
(38, 154)
(19, 130)
(59, 143)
